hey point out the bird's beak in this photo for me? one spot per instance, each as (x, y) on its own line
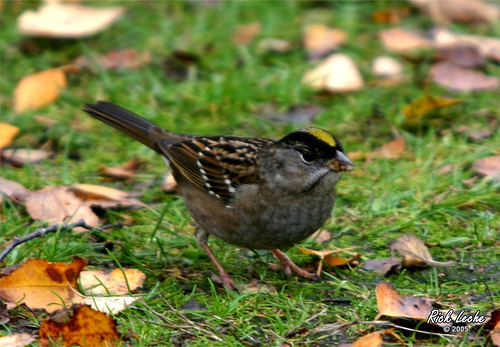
(341, 163)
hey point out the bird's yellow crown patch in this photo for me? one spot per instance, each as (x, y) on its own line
(323, 135)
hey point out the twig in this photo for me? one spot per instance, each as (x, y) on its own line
(52, 229)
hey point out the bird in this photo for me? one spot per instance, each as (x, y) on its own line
(250, 192)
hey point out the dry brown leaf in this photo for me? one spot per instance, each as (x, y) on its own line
(321, 236)
(391, 303)
(119, 59)
(39, 89)
(463, 80)
(104, 197)
(416, 110)
(21, 156)
(415, 252)
(320, 40)
(56, 19)
(487, 46)
(80, 326)
(374, 339)
(41, 284)
(244, 34)
(392, 16)
(336, 74)
(463, 11)
(13, 190)
(274, 45)
(383, 266)
(58, 205)
(401, 40)
(114, 282)
(16, 340)
(466, 56)
(121, 172)
(8, 133)
(488, 166)
(392, 150)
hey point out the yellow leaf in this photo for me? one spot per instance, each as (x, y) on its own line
(8, 133)
(418, 108)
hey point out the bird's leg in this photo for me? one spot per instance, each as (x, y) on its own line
(287, 265)
(227, 281)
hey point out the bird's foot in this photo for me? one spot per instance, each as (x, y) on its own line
(287, 265)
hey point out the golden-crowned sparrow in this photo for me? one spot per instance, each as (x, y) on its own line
(250, 192)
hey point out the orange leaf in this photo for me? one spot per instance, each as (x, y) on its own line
(339, 261)
(320, 39)
(8, 133)
(41, 284)
(374, 339)
(392, 150)
(39, 89)
(244, 34)
(80, 325)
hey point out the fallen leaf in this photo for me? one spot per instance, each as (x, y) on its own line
(319, 40)
(385, 66)
(84, 327)
(337, 73)
(488, 166)
(56, 19)
(13, 190)
(462, 11)
(104, 197)
(114, 282)
(105, 304)
(244, 34)
(118, 59)
(340, 261)
(58, 205)
(488, 46)
(41, 284)
(274, 45)
(392, 16)
(391, 303)
(466, 56)
(415, 252)
(463, 80)
(324, 254)
(20, 157)
(8, 133)
(16, 340)
(374, 339)
(495, 332)
(392, 150)
(383, 266)
(401, 40)
(39, 89)
(121, 172)
(321, 236)
(418, 109)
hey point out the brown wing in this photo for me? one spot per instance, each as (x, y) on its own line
(218, 165)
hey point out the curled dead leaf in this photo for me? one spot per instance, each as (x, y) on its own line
(19, 157)
(392, 150)
(463, 80)
(13, 190)
(374, 339)
(415, 252)
(121, 172)
(104, 197)
(401, 40)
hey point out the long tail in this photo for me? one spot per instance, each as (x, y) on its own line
(129, 123)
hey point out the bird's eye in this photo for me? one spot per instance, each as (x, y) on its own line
(307, 157)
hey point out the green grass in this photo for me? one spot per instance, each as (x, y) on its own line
(379, 201)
